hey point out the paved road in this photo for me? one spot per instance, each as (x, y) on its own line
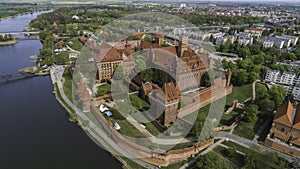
(56, 76)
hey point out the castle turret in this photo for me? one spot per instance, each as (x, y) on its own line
(183, 45)
(54, 25)
(159, 39)
(228, 75)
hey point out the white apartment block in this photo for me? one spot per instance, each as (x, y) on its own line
(272, 76)
(272, 41)
(287, 78)
(268, 43)
(245, 41)
(254, 31)
(287, 41)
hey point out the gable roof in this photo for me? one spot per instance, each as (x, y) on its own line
(297, 118)
(284, 114)
(171, 91)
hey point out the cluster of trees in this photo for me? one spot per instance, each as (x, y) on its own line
(206, 19)
(212, 160)
(87, 20)
(266, 101)
(245, 71)
(12, 9)
(256, 61)
(6, 37)
(46, 51)
(255, 159)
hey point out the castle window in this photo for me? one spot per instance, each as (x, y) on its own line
(282, 129)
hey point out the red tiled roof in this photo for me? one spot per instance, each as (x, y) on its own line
(147, 88)
(140, 35)
(297, 118)
(284, 114)
(171, 91)
(255, 29)
(159, 36)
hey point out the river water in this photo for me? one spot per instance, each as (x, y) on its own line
(34, 129)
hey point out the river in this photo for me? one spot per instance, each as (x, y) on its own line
(35, 132)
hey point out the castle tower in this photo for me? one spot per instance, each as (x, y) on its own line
(159, 39)
(167, 99)
(54, 25)
(183, 45)
(228, 75)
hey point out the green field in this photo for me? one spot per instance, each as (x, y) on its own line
(68, 84)
(240, 93)
(103, 90)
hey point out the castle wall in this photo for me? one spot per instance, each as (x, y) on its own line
(203, 98)
(282, 147)
(151, 156)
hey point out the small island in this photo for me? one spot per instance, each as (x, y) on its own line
(8, 39)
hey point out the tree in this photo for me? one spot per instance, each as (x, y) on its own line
(212, 160)
(240, 77)
(255, 159)
(259, 59)
(119, 73)
(205, 80)
(251, 113)
(253, 76)
(246, 64)
(140, 65)
(261, 93)
(288, 56)
(277, 93)
(230, 151)
(297, 54)
(244, 52)
(199, 123)
(266, 105)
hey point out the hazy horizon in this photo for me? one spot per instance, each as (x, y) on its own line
(187, 1)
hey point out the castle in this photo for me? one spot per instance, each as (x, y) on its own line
(180, 62)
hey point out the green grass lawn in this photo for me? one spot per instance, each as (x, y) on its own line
(68, 84)
(183, 145)
(175, 166)
(130, 164)
(103, 89)
(138, 103)
(152, 129)
(239, 93)
(236, 161)
(236, 147)
(77, 45)
(228, 119)
(126, 128)
(245, 130)
(71, 112)
(249, 129)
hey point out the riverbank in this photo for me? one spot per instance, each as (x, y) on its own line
(7, 43)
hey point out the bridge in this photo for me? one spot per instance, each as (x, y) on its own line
(21, 32)
(14, 76)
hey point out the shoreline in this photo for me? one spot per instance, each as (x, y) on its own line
(7, 43)
(78, 122)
